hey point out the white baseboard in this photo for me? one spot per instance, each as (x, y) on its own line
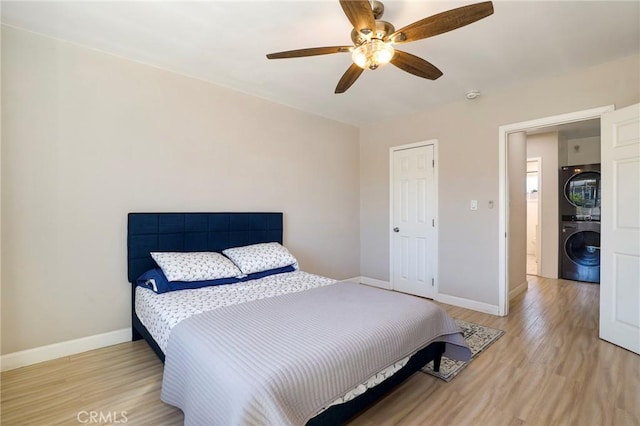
(468, 304)
(62, 349)
(518, 290)
(449, 300)
(375, 283)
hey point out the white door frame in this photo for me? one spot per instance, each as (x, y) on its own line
(503, 212)
(539, 213)
(434, 143)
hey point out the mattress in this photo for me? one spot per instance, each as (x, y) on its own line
(159, 313)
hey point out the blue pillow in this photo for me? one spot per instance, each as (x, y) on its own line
(263, 274)
(161, 284)
(155, 280)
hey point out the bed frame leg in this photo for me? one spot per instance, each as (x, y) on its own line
(135, 335)
(436, 363)
(438, 358)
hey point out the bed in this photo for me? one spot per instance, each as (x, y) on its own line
(198, 363)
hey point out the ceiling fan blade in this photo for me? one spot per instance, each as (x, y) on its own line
(416, 66)
(348, 78)
(313, 51)
(360, 14)
(442, 22)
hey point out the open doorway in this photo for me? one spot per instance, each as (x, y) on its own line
(505, 131)
(534, 208)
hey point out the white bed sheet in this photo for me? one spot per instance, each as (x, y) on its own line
(159, 313)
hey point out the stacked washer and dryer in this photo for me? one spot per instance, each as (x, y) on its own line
(580, 223)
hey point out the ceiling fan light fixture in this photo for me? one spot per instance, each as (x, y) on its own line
(373, 39)
(372, 54)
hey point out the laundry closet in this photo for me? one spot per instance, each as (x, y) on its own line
(563, 202)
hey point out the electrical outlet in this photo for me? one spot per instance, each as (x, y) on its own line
(473, 205)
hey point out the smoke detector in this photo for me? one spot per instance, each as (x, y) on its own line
(473, 94)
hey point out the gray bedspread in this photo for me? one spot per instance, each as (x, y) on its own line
(280, 360)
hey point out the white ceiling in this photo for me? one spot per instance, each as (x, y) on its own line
(226, 42)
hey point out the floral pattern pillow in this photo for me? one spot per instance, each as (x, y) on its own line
(260, 257)
(195, 266)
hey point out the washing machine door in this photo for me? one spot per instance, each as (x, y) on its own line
(583, 248)
(583, 189)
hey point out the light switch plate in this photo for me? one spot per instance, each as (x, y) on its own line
(473, 205)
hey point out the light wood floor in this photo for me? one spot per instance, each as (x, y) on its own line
(549, 368)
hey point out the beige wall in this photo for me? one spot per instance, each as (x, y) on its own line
(517, 227)
(545, 146)
(88, 137)
(468, 135)
(563, 155)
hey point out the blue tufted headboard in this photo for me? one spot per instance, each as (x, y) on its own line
(183, 232)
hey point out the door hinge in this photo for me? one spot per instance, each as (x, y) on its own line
(433, 282)
(433, 223)
(433, 163)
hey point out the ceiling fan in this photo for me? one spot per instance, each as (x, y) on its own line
(374, 38)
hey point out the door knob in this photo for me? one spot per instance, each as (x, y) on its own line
(396, 229)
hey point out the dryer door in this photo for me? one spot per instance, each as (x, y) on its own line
(583, 190)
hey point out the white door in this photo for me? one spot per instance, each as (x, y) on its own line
(413, 233)
(620, 232)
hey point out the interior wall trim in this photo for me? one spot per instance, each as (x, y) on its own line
(442, 298)
(375, 283)
(58, 350)
(461, 302)
(503, 199)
